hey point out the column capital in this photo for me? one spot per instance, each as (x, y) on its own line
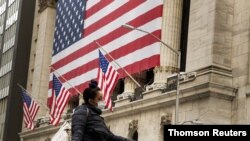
(43, 4)
(165, 69)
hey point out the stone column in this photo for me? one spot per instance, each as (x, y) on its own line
(43, 43)
(129, 87)
(171, 34)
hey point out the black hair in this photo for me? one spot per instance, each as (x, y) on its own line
(91, 91)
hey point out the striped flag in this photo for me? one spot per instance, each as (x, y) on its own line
(107, 78)
(60, 97)
(30, 109)
(79, 23)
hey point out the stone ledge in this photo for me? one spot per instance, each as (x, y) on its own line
(165, 99)
(41, 131)
(151, 93)
(217, 69)
(122, 102)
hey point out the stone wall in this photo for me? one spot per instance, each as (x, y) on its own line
(210, 34)
(240, 63)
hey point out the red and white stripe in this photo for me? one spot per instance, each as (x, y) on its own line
(58, 105)
(29, 114)
(133, 50)
(107, 83)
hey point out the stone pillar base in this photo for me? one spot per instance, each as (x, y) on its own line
(161, 73)
(155, 86)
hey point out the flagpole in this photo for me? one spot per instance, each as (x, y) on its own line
(32, 96)
(119, 65)
(178, 53)
(66, 80)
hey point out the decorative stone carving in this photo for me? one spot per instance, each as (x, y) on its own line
(42, 121)
(166, 119)
(133, 125)
(43, 4)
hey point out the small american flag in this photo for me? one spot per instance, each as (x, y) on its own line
(30, 108)
(60, 97)
(107, 78)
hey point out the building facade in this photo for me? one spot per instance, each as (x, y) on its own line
(213, 36)
(16, 20)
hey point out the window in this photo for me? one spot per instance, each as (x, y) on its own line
(149, 76)
(135, 136)
(184, 33)
(2, 6)
(12, 14)
(145, 78)
(10, 2)
(3, 107)
(5, 81)
(2, 16)
(9, 38)
(7, 57)
(119, 89)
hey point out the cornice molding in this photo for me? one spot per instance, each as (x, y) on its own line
(159, 99)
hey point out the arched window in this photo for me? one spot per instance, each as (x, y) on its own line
(135, 136)
(165, 133)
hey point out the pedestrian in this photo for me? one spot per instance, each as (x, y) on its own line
(87, 124)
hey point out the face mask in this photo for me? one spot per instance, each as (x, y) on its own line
(101, 105)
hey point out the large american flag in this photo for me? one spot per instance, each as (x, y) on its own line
(107, 78)
(30, 109)
(79, 23)
(60, 98)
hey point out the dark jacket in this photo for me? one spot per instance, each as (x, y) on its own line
(88, 125)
